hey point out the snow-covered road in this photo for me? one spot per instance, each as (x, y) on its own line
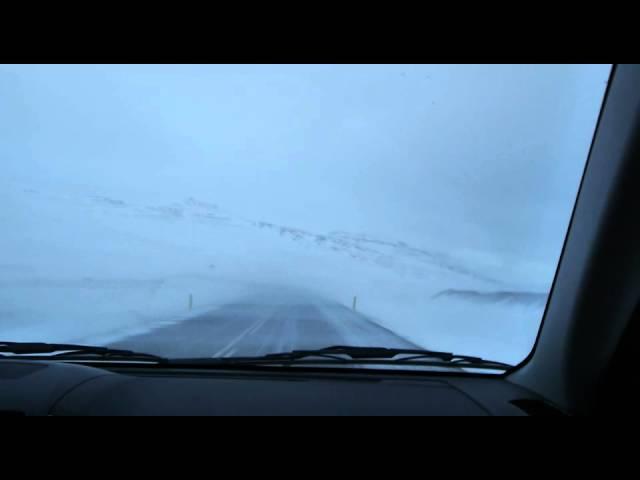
(265, 324)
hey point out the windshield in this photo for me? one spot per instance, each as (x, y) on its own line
(243, 210)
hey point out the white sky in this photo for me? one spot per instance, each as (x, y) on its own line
(480, 159)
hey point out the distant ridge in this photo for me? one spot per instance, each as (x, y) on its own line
(522, 298)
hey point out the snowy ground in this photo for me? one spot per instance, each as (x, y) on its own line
(98, 268)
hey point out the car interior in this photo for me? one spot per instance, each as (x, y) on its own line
(580, 364)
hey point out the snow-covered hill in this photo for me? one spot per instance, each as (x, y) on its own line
(83, 266)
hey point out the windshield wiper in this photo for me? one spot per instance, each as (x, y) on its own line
(324, 356)
(359, 355)
(69, 351)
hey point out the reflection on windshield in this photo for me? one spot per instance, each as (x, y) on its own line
(230, 210)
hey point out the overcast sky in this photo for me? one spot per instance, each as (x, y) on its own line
(477, 158)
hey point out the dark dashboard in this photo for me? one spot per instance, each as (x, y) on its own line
(67, 389)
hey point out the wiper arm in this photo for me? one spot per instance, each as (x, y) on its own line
(336, 353)
(358, 355)
(67, 350)
(408, 356)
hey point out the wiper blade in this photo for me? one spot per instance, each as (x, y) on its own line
(362, 353)
(396, 355)
(358, 356)
(69, 350)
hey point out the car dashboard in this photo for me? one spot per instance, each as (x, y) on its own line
(54, 388)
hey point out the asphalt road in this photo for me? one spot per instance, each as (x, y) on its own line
(262, 325)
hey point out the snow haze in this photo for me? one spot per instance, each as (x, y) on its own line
(439, 195)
